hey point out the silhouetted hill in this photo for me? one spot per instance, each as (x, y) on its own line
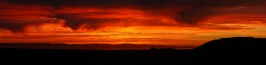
(235, 44)
(45, 53)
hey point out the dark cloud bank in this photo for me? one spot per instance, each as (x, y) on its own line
(183, 11)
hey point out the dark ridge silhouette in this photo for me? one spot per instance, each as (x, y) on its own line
(84, 46)
(235, 44)
(46, 53)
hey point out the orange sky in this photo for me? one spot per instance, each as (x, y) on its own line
(181, 23)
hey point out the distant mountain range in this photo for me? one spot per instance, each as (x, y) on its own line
(87, 46)
(234, 44)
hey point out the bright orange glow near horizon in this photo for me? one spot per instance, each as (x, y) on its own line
(168, 23)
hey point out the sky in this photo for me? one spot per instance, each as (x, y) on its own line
(162, 22)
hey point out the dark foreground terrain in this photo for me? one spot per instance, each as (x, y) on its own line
(163, 57)
(216, 52)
